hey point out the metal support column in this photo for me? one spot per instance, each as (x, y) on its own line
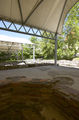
(17, 54)
(33, 52)
(57, 31)
(56, 49)
(22, 52)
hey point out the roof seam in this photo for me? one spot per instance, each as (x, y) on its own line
(20, 11)
(32, 11)
(61, 16)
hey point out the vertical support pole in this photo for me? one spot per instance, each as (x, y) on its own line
(22, 51)
(33, 52)
(56, 49)
(17, 54)
(57, 31)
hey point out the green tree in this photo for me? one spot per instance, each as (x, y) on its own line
(47, 48)
(73, 39)
(71, 31)
(72, 19)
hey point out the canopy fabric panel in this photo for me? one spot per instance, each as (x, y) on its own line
(5, 38)
(42, 14)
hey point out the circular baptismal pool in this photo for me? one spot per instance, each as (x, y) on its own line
(28, 101)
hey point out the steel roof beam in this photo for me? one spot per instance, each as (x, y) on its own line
(61, 16)
(37, 33)
(20, 11)
(32, 11)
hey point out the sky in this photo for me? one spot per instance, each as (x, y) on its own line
(14, 39)
(12, 34)
(15, 34)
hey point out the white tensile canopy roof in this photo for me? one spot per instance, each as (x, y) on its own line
(4, 47)
(43, 14)
(47, 15)
(5, 38)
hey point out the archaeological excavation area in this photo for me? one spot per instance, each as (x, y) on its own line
(37, 91)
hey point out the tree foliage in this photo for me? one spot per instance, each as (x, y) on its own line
(72, 19)
(71, 30)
